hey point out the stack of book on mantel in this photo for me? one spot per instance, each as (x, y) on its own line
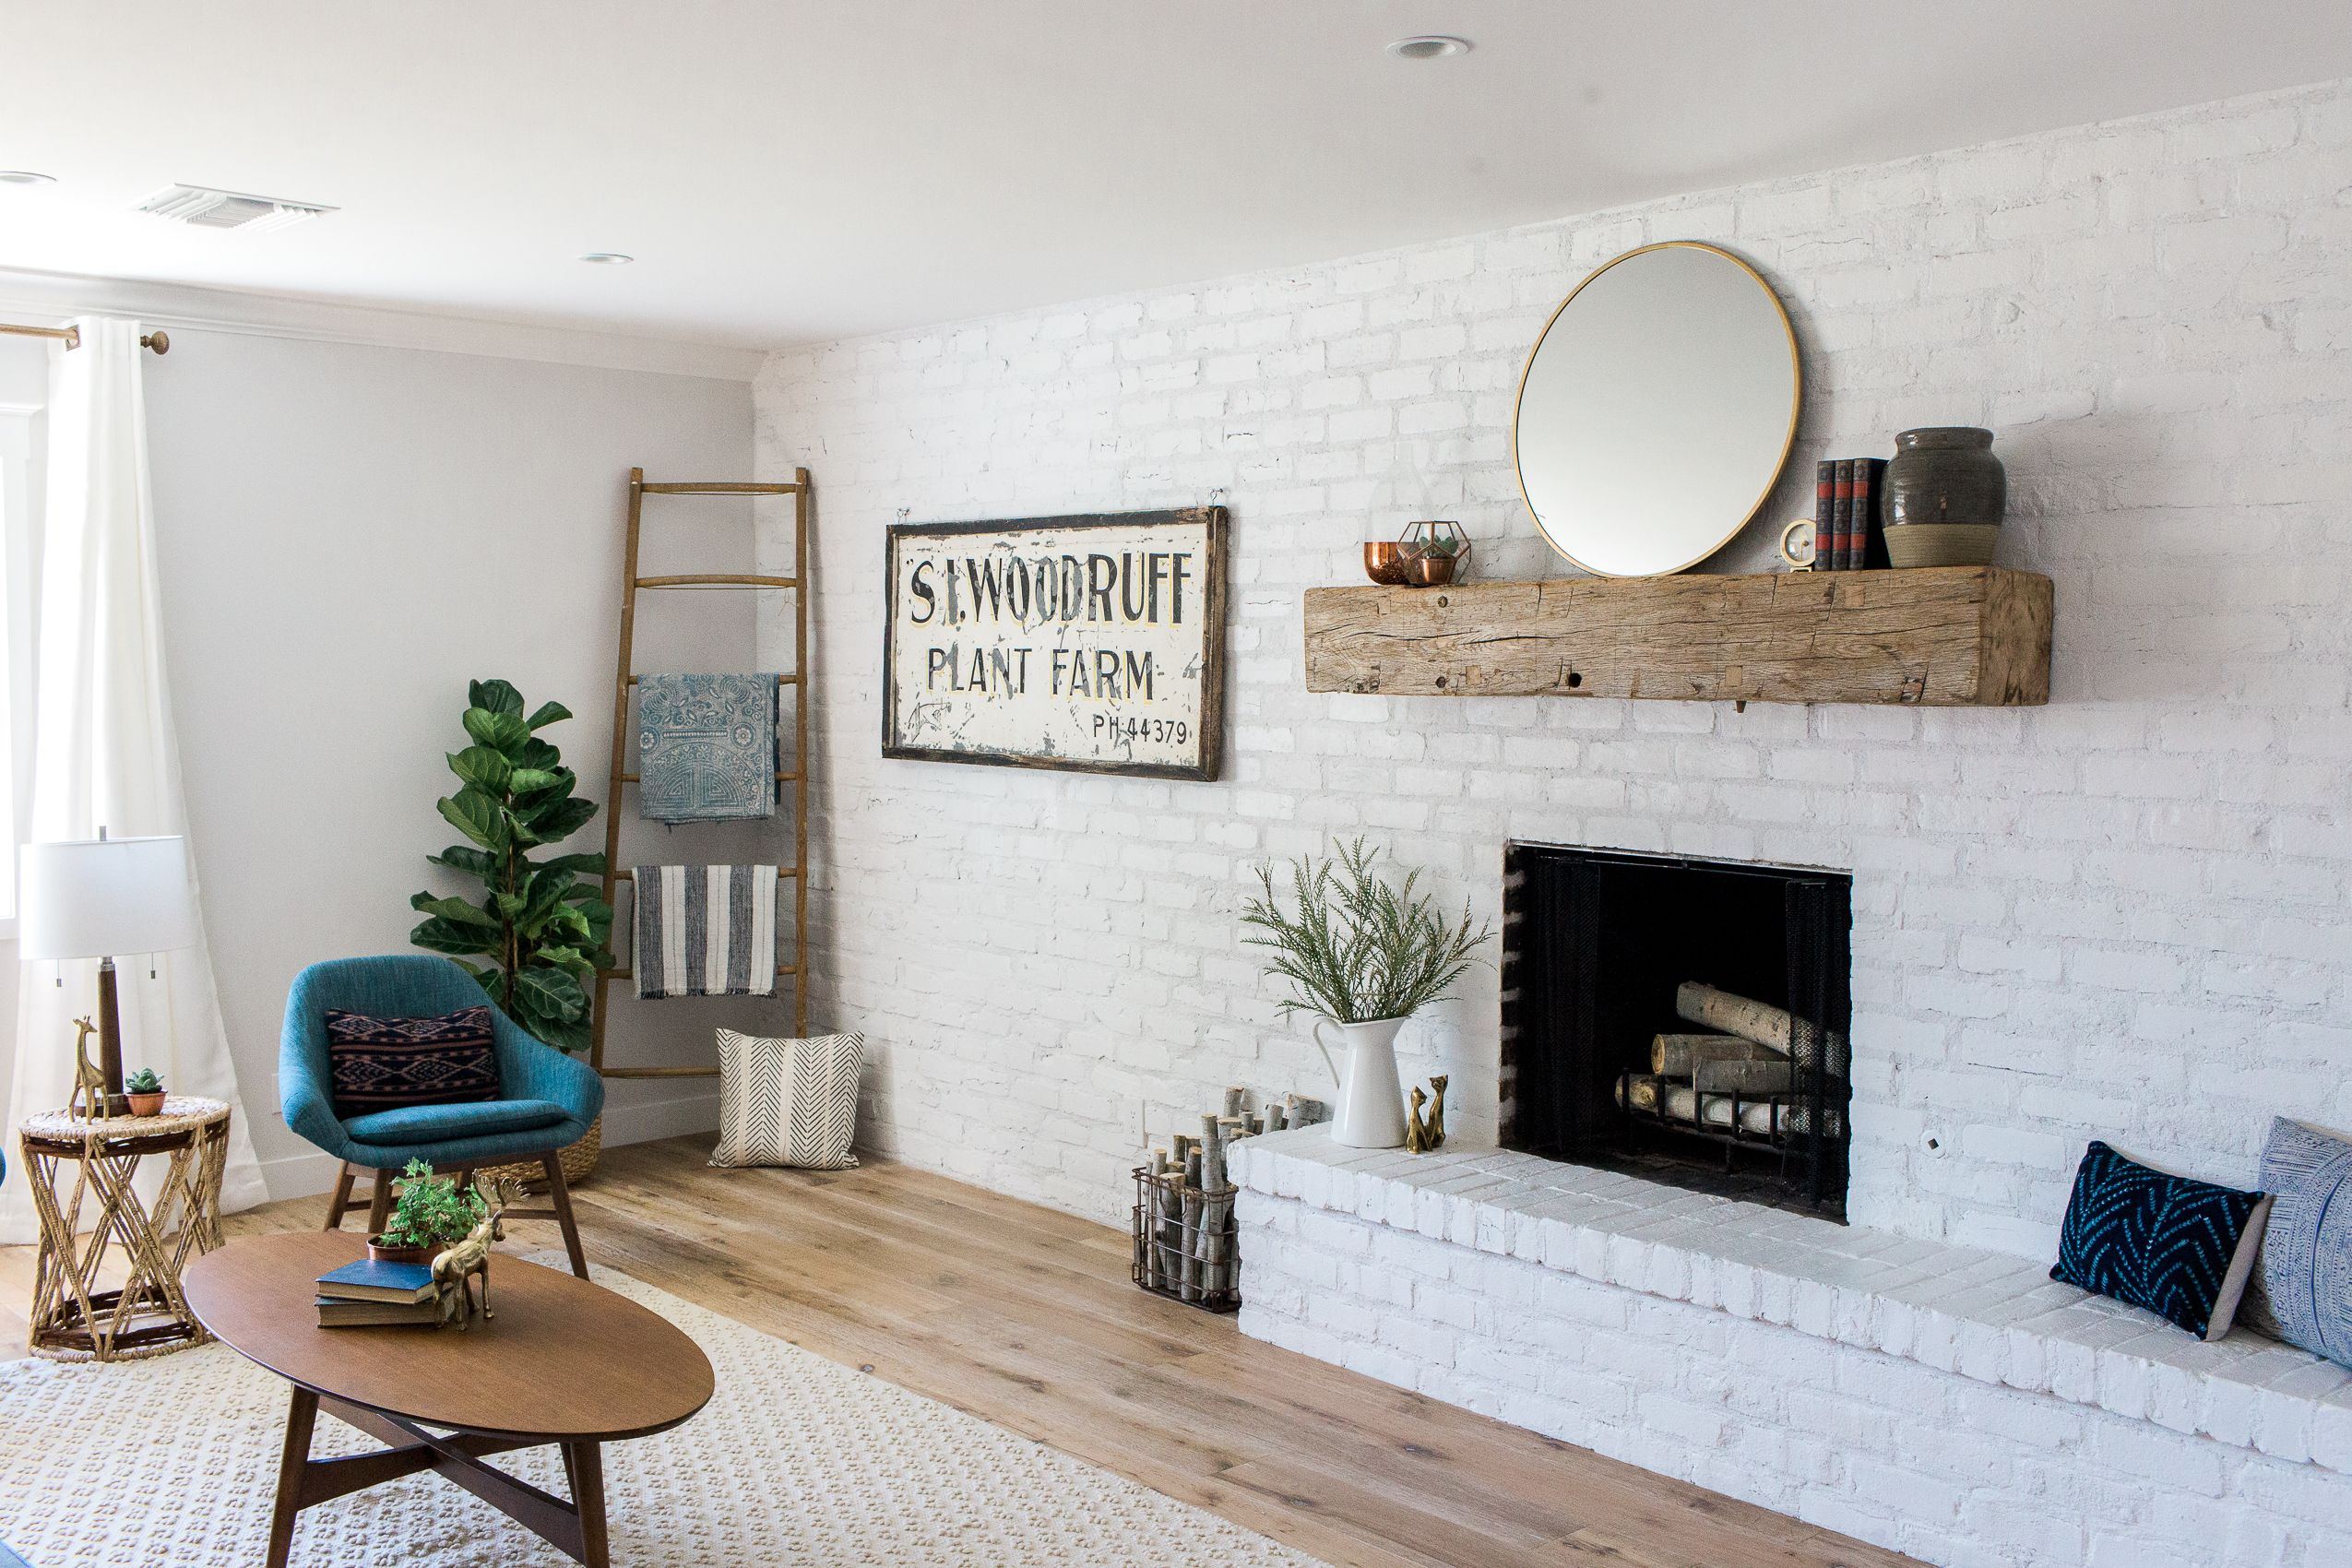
(1848, 536)
(367, 1292)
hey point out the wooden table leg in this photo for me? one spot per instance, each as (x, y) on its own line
(584, 1462)
(301, 1415)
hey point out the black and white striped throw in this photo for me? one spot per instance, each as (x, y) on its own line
(705, 931)
(788, 1101)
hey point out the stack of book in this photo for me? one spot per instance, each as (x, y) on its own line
(367, 1292)
(1847, 536)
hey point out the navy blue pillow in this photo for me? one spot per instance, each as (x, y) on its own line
(2159, 1241)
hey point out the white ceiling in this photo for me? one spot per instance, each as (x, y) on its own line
(796, 170)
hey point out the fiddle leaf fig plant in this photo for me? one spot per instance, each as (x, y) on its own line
(542, 928)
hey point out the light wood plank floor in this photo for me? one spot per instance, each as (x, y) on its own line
(1025, 1317)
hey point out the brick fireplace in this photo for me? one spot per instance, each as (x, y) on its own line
(1625, 980)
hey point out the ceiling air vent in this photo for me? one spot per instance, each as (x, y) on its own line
(207, 208)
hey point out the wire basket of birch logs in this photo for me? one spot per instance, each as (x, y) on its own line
(1183, 1214)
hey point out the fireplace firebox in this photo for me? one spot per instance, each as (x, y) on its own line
(1679, 1020)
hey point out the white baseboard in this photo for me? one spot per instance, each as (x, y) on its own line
(662, 1119)
(305, 1175)
(298, 1175)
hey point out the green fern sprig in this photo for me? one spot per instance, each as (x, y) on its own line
(1357, 948)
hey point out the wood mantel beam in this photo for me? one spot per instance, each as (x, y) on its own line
(1938, 636)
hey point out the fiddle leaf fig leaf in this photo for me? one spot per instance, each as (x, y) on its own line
(458, 857)
(503, 731)
(547, 713)
(550, 991)
(498, 696)
(559, 819)
(479, 817)
(486, 769)
(447, 936)
(454, 909)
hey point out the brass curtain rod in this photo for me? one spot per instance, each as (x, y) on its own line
(71, 336)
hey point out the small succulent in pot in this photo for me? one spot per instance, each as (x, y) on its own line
(145, 1091)
(428, 1213)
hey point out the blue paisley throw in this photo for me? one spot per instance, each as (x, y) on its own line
(706, 747)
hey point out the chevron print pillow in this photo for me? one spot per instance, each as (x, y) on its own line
(788, 1101)
(2163, 1243)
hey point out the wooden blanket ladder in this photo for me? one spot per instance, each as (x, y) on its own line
(795, 776)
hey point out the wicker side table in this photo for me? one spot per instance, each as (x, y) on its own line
(73, 1318)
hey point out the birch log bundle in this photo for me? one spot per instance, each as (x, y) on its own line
(1738, 1077)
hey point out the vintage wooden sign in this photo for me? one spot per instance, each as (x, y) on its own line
(1095, 643)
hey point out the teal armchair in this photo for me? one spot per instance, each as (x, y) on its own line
(547, 1100)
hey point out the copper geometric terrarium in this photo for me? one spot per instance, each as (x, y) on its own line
(1427, 555)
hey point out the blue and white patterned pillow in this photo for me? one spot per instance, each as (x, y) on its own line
(2303, 1286)
(2157, 1240)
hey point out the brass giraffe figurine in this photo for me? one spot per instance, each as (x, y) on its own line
(89, 1098)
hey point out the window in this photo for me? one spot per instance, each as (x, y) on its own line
(15, 628)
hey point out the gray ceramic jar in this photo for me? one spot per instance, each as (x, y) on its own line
(1946, 474)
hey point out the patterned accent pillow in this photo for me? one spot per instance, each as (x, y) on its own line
(386, 1063)
(2156, 1241)
(2302, 1291)
(788, 1101)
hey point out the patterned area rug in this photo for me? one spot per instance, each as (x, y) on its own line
(797, 1460)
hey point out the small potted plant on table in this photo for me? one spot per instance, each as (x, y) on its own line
(145, 1092)
(428, 1213)
(1364, 956)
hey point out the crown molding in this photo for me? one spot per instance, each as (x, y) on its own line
(55, 295)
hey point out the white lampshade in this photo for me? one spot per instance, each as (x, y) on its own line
(96, 898)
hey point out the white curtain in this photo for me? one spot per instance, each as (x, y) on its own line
(104, 752)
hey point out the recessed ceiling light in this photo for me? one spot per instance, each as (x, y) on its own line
(25, 177)
(606, 258)
(1430, 46)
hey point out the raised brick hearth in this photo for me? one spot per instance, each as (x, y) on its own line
(1939, 1399)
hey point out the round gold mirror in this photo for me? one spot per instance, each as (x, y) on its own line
(1657, 409)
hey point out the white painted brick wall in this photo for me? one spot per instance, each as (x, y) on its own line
(2121, 915)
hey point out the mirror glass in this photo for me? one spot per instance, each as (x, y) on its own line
(1656, 410)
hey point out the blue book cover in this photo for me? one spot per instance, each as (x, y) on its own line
(367, 1280)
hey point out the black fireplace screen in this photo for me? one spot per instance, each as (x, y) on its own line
(1678, 1018)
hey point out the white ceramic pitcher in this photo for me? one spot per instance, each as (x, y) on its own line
(1370, 1113)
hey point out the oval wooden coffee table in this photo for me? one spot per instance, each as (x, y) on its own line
(564, 1363)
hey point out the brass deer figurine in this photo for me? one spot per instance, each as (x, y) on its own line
(1424, 1134)
(455, 1269)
